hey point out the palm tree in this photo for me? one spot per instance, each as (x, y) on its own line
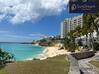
(69, 41)
(96, 26)
(91, 25)
(87, 27)
(69, 44)
(84, 31)
(78, 32)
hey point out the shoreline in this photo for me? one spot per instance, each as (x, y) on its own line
(51, 52)
(47, 52)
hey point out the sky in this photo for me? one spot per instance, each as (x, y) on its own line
(28, 20)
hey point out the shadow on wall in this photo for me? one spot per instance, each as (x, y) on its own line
(83, 55)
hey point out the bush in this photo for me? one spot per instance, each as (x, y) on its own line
(5, 57)
(80, 43)
(69, 44)
(96, 46)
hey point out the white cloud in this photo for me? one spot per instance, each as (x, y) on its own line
(2, 17)
(20, 11)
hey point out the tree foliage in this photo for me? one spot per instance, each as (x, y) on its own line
(5, 57)
(69, 44)
(90, 23)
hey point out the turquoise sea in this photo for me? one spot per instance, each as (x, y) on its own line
(22, 52)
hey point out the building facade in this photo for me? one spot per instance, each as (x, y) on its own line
(70, 24)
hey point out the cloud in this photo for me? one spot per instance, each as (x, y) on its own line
(4, 32)
(2, 17)
(38, 35)
(21, 11)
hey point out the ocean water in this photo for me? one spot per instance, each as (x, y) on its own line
(22, 52)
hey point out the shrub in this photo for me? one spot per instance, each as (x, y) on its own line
(5, 57)
(96, 46)
(69, 44)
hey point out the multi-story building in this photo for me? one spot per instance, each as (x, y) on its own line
(70, 24)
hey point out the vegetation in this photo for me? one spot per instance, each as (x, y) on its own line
(95, 63)
(5, 57)
(96, 46)
(91, 24)
(55, 65)
(49, 41)
(70, 44)
(3, 71)
(69, 41)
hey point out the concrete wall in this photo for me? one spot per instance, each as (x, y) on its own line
(83, 55)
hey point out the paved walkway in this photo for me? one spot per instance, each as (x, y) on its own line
(74, 67)
(88, 68)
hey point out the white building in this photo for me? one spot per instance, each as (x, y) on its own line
(70, 24)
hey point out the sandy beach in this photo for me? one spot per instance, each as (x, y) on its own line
(51, 52)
